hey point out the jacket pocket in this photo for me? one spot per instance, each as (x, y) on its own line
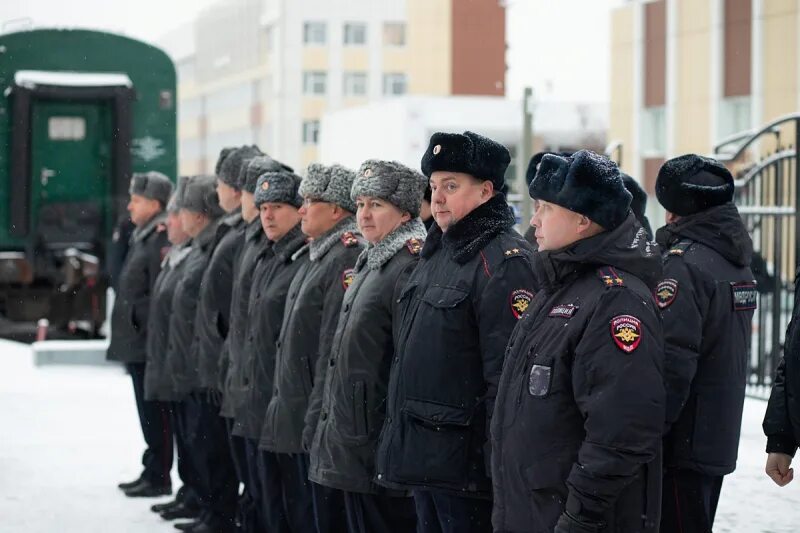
(546, 482)
(306, 375)
(435, 442)
(360, 410)
(444, 297)
(717, 424)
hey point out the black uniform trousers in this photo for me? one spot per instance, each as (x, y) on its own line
(689, 501)
(218, 488)
(329, 512)
(439, 512)
(154, 417)
(286, 492)
(246, 506)
(378, 513)
(188, 492)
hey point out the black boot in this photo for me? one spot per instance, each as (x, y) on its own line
(145, 489)
(126, 485)
(180, 511)
(188, 526)
(163, 507)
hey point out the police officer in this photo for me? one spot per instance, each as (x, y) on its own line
(638, 203)
(311, 314)
(707, 298)
(278, 201)
(150, 193)
(200, 214)
(253, 244)
(157, 382)
(580, 409)
(387, 196)
(456, 313)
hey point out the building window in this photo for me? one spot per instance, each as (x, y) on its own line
(394, 83)
(394, 34)
(314, 33)
(314, 82)
(733, 116)
(654, 132)
(355, 33)
(310, 131)
(355, 83)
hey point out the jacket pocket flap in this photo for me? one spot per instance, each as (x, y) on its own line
(437, 414)
(447, 297)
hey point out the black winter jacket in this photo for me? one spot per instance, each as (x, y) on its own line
(214, 307)
(580, 408)
(129, 316)
(707, 298)
(273, 274)
(181, 358)
(455, 316)
(157, 382)
(309, 322)
(354, 395)
(255, 243)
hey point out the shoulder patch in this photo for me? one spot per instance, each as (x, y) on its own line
(563, 311)
(161, 228)
(610, 277)
(626, 331)
(414, 246)
(665, 292)
(349, 239)
(744, 295)
(513, 252)
(520, 300)
(680, 248)
(347, 278)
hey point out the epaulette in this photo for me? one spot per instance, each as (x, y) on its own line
(610, 277)
(414, 246)
(349, 239)
(680, 248)
(513, 252)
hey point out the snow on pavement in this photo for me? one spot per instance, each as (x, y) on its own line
(70, 434)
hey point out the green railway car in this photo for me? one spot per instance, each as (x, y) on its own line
(81, 110)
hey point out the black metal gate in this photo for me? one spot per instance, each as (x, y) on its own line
(765, 164)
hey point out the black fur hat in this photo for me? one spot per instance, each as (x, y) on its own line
(232, 164)
(534, 163)
(587, 183)
(469, 153)
(225, 152)
(153, 185)
(638, 203)
(692, 183)
(249, 173)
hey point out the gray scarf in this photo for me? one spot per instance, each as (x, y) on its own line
(376, 255)
(319, 247)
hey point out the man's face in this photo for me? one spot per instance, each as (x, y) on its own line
(230, 199)
(556, 227)
(175, 231)
(249, 209)
(192, 222)
(277, 219)
(455, 194)
(377, 218)
(142, 209)
(317, 217)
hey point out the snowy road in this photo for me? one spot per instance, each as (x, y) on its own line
(69, 434)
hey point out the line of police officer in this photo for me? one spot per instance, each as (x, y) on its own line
(309, 340)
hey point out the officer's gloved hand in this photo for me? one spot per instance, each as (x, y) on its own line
(214, 397)
(308, 437)
(571, 524)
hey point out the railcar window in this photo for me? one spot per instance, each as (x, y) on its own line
(66, 128)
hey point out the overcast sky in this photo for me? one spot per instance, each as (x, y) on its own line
(559, 47)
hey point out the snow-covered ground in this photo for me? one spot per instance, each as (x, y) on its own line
(69, 434)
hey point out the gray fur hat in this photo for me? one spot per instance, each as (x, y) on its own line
(200, 195)
(278, 187)
(248, 177)
(330, 184)
(152, 185)
(390, 181)
(225, 152)
(175, 200)
(231, 166)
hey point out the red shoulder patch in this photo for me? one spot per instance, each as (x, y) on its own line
(414, 246)
(349, 239)
(347, 278)
(665, 293)
(520, 300)
(626, 330)
(161, 228)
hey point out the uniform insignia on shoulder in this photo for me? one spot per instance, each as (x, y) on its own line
(744, 295)
(414, 246)
(680, 248)
(563, 311)
(626, 330)
(610, 277)
(160, 228)
(665, 293)
(676, 251)
(348, 239)
(511, 252)
(520, 300)
(347, 278)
